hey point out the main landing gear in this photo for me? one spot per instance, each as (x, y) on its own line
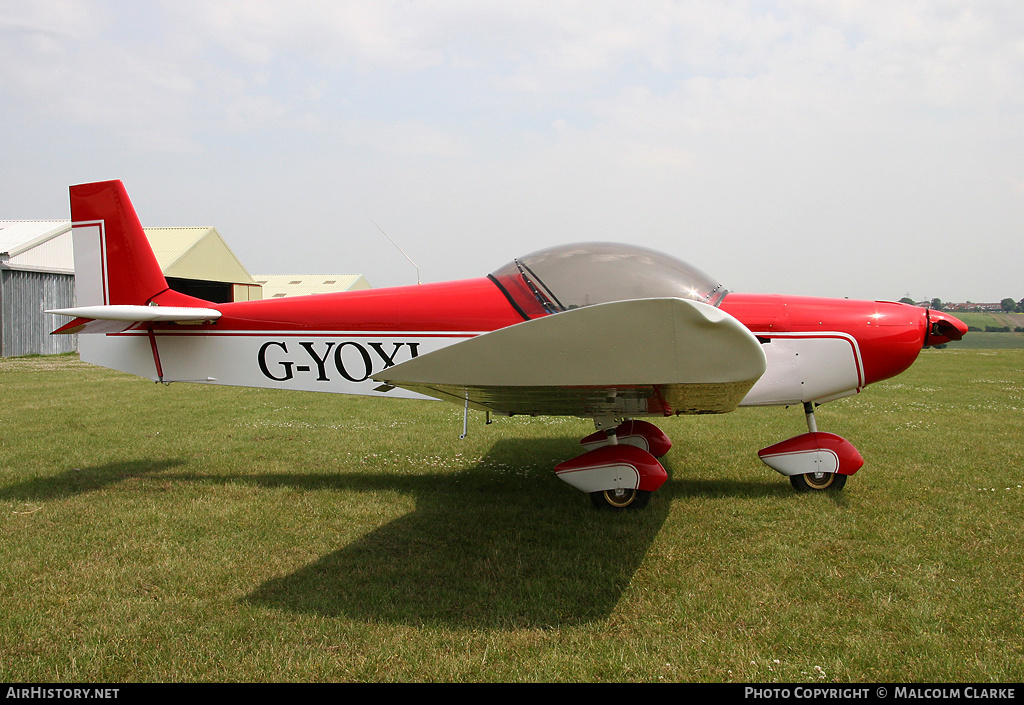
(620, 469)
(814, 461)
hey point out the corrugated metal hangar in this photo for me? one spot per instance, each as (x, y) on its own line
(37, 273)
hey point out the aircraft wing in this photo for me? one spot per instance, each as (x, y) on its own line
(626, 358)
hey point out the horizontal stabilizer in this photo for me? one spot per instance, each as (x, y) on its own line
(643, 356)
(85, 316)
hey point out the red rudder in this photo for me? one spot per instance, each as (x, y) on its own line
(114, 262)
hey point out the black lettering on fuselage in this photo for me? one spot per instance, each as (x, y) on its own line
(352, 360)
(389, 360)
(322, 373)
(339, 361)
(261, 357)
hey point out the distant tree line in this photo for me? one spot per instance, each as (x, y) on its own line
(1011, 306)
(1007, 305)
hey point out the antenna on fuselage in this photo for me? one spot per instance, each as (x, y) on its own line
(400, 250)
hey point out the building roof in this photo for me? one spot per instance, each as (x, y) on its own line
(276, 286)
(16, 236)
(196, 253)
(37, 245)
(185, 253)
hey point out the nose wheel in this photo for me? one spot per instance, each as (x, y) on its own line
(818, 482)
(814, 461)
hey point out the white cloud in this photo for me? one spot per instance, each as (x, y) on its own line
(772, 127)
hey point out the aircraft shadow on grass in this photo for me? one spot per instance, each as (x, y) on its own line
(77, 481)
(504, 544)
(487, 551)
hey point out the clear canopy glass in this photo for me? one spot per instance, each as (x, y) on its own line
(569, 276)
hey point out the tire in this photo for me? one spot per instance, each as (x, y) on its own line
(818, 482)
(620, 500)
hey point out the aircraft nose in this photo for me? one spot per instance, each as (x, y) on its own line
(943, 328)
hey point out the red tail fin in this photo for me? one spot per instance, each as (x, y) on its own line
(114, 263)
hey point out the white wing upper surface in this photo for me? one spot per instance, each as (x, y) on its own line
(639, 357)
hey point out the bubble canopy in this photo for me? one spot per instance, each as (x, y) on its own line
(570, 276)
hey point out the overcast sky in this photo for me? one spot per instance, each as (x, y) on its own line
(837, 148)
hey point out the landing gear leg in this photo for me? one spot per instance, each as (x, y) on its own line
(812, 423)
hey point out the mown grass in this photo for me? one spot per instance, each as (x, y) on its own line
(191, 533)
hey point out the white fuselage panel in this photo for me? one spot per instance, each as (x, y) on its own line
(807, 367)
(801, 367)
(343, 363)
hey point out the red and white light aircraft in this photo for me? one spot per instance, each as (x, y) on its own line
(602, 331)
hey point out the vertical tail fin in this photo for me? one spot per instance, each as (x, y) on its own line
(114, 263)
(117, 276)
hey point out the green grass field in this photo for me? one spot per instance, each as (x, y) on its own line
(191, 533)
(981, 320)
(989, 341)
(979, 340)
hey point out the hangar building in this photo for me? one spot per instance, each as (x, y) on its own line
(37, 273)
(197, 262)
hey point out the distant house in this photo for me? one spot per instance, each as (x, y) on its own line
(971, 306)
